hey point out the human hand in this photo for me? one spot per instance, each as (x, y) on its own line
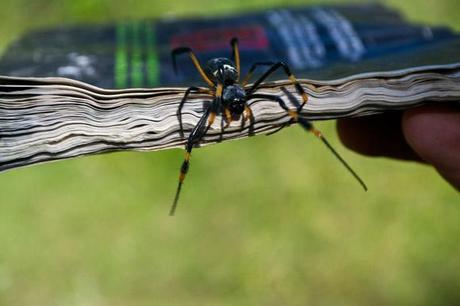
(428, 134)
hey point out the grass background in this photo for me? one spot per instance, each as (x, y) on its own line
(262, 221)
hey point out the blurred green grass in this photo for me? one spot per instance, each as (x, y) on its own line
(262, 221)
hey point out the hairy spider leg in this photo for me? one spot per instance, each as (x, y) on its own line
(195, 61)
(308, 126)
(198, 132)
(236, 56)
(275, 99)
(272, 98)
(216, 105)
(219, 107)
(223, 110)
(271, 70)
(221, 134)
(189, 90)
(194, 138)
(248, 114)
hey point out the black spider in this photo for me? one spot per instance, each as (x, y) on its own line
(230, 99)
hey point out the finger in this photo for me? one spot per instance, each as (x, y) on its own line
(434, 133)
(377, 135)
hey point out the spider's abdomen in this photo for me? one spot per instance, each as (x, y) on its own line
(221, 70)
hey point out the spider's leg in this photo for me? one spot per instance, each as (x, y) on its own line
(248, 114)
(244, 116)
(236, 55)
(271, 98)
(215, 105)
(198, 132)
(194, 138)
(291, 77)
(218, 107)
(296, 103)
(182, 102)
(195, 61)
(308, 126)
(252, 69)
(283, 105)
(227, 118)
(222, 127)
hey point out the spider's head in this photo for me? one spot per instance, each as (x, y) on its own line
(234, 98)
(221, 70)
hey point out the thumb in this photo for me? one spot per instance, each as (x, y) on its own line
(433, 132)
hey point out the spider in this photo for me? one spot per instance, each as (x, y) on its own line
(230, 99)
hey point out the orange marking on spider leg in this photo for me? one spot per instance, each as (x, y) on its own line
(294, 115)
(236, 53)
(246, 79)
(182, 174)
(219, 89)
(184, 168)
(320, 136)
(316, 132)
(304, 98)
(197, 64)
(212, 117)
(228, 116)
(247, 113)
(299, 88)
(204, 90)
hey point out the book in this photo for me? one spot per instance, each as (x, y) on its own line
(351, 61)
